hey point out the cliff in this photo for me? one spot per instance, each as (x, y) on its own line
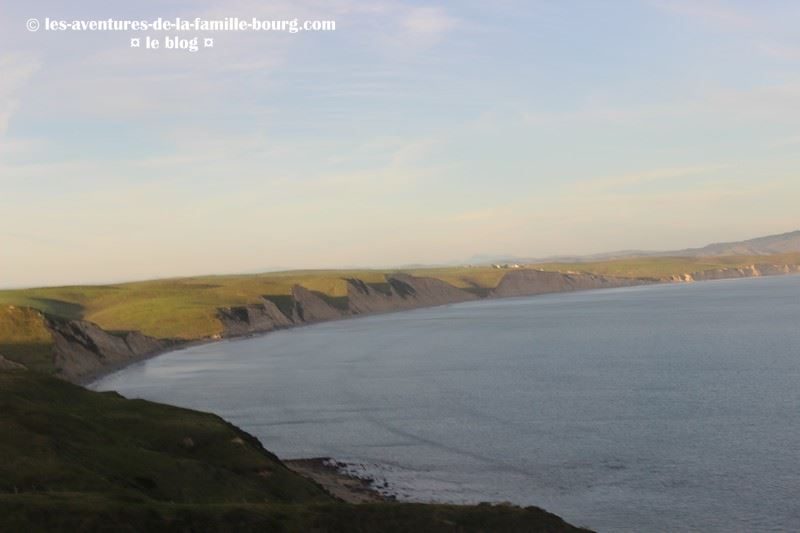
(400, 292)
(79, 350)
(533, 282)
(310, 307)
(261, 317)
(738, 272)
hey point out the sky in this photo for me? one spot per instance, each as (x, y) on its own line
(416, 133)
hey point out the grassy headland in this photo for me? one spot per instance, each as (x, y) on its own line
(76, 460)
(186, 308)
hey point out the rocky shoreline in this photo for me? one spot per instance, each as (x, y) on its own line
(330, 475)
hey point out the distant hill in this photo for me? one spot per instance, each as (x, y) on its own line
(772, 244)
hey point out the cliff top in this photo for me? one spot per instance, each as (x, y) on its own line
(186, 308)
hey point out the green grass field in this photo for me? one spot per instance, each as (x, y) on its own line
(25, 339)
(186, 307)
(666, 267)
(662, 267)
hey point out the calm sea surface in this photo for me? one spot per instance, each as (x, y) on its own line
(659, 408)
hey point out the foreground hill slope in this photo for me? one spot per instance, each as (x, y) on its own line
(80, 460)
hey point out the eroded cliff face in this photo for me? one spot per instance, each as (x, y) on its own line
(533, 282)
(309, 307)
(402, 292)
(256, 318)
(749, 271)
(81, 349)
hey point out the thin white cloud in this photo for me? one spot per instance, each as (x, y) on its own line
(428, 23)
(714, 12)
(780, 51)
(670, 174)
(786, 142)
(779, 102)
(16, 69)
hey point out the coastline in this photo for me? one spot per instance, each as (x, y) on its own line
(327, 472)
(330, 475)
(406, 293)
(87, 379)
(176, 345)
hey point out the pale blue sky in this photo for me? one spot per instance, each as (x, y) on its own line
(418, 132)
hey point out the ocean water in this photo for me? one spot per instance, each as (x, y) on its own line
(657, 408)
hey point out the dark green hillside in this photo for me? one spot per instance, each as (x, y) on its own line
(76, 460)
(57, 437)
